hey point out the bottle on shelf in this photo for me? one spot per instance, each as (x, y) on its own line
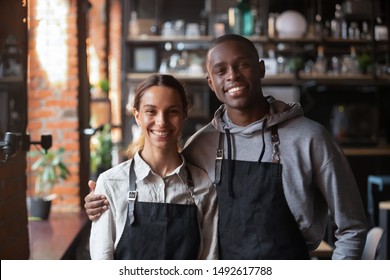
(320, 65)
(353, 31)
(365, 34)
(133, 24)
(272, 25)
(257, 23)
(203, 23)
(350, 64)
(338, 25)
(318, 33)
(241, 18)
(335, 24)
(381, 31)
(344, 27)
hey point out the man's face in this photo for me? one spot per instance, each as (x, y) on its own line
(234, 74)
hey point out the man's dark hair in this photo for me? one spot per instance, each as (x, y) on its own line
(233, 37)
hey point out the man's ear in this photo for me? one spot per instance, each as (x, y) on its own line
(262, 68)
(210, 83)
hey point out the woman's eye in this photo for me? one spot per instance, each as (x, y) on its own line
(174, 111)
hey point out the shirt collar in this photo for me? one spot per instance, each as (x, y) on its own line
(143, 170)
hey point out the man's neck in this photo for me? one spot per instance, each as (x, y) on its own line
(246, 116)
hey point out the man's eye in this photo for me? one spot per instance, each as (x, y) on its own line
(244, 64)
(220, 71)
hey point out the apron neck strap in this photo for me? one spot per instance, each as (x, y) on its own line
(132, 192)
(219, 158)
(275, 143)
(191, 186)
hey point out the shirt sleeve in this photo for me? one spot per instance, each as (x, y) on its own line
(341, 192)
(102, 235)
(208, 222)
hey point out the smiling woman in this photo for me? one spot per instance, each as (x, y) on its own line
(148, 96)
(164, 212)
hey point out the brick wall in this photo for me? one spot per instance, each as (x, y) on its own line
(52, 94)
(53, 88)
(97, 46)
(114, 66)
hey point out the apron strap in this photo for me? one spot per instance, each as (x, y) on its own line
(191, 186)
(275, 143)
(132, 192)
(132, 198)
(218, 159)
(219, 155)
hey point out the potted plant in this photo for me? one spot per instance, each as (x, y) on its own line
(49, 169)
(104, 86)
(101, 151)
(100, 105)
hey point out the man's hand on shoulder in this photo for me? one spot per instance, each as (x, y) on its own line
(95, 204)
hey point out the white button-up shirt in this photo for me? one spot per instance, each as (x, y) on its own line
(114, 184)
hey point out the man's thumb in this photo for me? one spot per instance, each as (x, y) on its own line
(92, 185)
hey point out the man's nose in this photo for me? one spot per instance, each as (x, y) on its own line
(233, 73)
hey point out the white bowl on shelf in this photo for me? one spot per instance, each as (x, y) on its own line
(291, 24)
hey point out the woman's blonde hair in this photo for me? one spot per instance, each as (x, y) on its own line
(155, 80)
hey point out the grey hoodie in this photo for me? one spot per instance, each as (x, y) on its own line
(316, 174)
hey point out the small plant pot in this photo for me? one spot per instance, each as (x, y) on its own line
(38, 208)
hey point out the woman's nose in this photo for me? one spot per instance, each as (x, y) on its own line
(160, 119)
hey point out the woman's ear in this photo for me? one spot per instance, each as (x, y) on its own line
(136, 116)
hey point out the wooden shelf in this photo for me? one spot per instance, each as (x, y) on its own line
(283, 79)
(11, 79)
(162, 39)
(364, 151)
(254, 38)
(201, 78)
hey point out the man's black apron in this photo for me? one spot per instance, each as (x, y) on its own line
(159, 230)
(255, 221)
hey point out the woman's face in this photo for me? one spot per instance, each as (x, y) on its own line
(161, 117)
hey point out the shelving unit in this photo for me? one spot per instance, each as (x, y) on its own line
(310, 85)
(318, 93)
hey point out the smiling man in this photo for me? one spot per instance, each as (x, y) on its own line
(276, 172)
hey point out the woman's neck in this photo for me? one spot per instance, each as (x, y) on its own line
(162, 162)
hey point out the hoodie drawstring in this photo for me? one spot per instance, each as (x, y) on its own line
(262, 137)
(230, 166)
(229, 153)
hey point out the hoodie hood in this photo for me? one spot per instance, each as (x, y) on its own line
(279, 113)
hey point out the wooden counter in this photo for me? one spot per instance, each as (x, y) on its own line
(324, 251)
(384, 223)
(52, 239)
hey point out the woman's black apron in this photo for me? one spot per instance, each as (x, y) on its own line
(255, 221)
(159, 230)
